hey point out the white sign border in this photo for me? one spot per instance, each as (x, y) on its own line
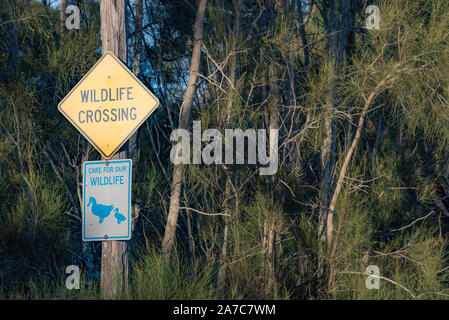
(83, 231)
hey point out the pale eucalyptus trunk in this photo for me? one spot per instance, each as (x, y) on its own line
(184, 123)
(270, 249)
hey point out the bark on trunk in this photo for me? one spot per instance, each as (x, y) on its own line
(341, 35)
(132, 144)
(270, 290)
(12, 39)
(270, 255)
(184, 121)
(138, 43)
(221, 280)
(336, 39)
(113, 28)
(114, 259)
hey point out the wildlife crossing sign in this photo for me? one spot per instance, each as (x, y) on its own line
(107, 200)
(108, 105)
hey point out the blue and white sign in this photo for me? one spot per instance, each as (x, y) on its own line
(107, 200)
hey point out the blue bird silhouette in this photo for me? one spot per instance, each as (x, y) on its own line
(99, 210)
(120, 217)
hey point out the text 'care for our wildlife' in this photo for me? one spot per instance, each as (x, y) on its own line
(116, 176)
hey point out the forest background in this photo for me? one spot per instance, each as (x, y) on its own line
(363, 147)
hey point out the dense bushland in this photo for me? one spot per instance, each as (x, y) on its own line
(363, 148)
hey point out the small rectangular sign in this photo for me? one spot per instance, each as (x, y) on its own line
(107, 200)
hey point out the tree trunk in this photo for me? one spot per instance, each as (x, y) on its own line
(12, 39)
(62, 15)
(276, 194)
(342, 175)
(138, 42)
(305, 46)
(114, 259)
(337, 61)
(302, 31)
(270, 255)
(336, 39)
(184, 123)
(132, 144)
(223, 265)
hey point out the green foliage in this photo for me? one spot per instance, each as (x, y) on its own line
(152, 278)
(388, 213)
(251, 250)
(53, 288)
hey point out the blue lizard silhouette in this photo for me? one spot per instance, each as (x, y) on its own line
(99, 210)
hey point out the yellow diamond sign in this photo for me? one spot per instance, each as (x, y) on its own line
(108, 105)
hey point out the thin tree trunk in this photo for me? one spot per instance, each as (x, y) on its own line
(223, 265)
(221, 280)
(288, 152)
(138, 42)
(302, 31)
(273, 122)
(233, 58)
(351, 150)
(336, 39)
(377, 143)
(328, 148)
(62, 15)
(305, 46)
(132, 144)
(270, 260)
(114, 258)
(342, 175)
(343, 29)
(190, 234)
(12, 39)
(188, 218)
(184, 122)
(276, 195)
